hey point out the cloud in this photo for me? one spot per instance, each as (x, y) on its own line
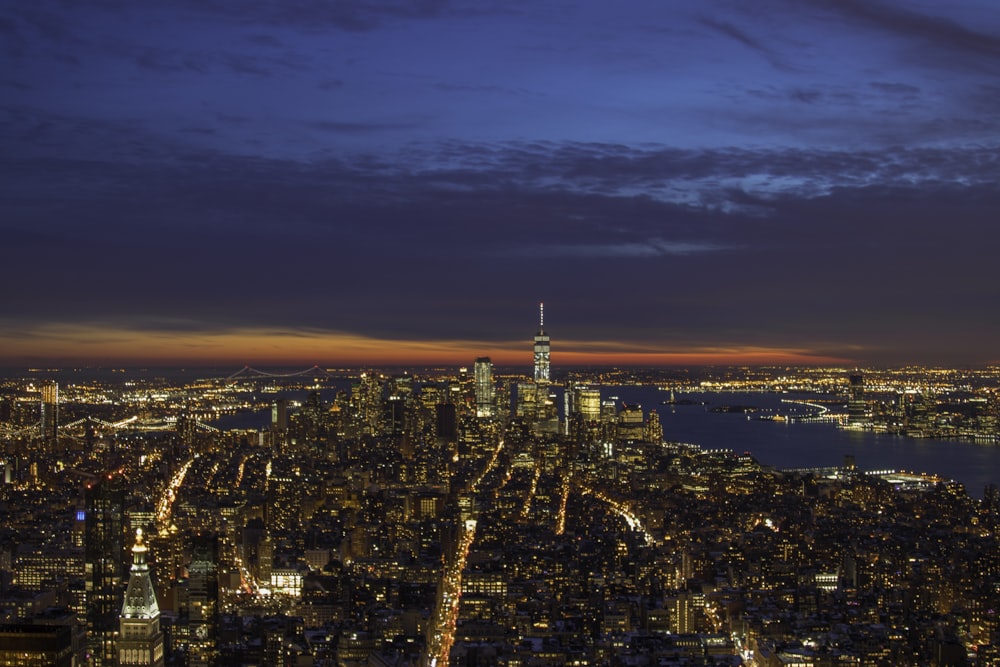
(315, 15)
(938, 33)
(130, 342)
(902, 89)
(761, 247)
(354, 127)
(741, 36)
(650, 248)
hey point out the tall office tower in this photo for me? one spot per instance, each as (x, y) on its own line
(203, 594)
(583, 414)
(527, 401)
(140, 640)
(49, 424)
(485, 391)
(630, 423)
(279, 423)
(541, 348)
(654, 429)
(587, 404)
(856, 407)
(104, 566)
(366, 404)
(395, 415)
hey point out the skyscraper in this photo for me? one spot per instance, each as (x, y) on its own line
(856, 405)
(485, 391)
(587, 403)
(140, 638)
(49, 423)
(541, 348)
(203, 588)
(104, 565)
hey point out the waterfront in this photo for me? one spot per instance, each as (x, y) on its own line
(813, 444)
(476, 522)
(783, 444)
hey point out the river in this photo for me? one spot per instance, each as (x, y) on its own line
(779, 444)
(811, 444)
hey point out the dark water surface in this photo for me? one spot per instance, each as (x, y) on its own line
(780, 444)
(812, 445)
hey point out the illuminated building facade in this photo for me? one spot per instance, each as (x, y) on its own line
(104, 564)
(587, 404)
(534, 402)
(203, 591)
(140, 641)
(485, 391)
(630, 423)
(856, 408)
(30, 645)
(541, 349)
(49, 423)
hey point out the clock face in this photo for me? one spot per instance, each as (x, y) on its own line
(201, 631)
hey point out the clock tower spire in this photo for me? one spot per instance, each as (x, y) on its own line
(140, 640)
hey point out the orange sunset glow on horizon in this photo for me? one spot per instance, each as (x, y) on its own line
(74, 344)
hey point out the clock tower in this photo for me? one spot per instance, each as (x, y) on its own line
(140, 640)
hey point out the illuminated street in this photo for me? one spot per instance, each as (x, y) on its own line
(166, 503)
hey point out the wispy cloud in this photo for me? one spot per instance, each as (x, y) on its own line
(740, 35)
(650, 248)
(940, 34)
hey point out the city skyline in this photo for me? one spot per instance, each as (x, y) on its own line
(396, 183)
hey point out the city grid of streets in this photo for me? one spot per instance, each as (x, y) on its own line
(393, 521)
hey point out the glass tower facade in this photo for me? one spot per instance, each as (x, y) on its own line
(485, 391)
(541, 348)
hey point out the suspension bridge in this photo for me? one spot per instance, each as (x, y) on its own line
(249, 373)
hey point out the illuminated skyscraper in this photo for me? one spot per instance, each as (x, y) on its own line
(588, 403)
(856, 404)
(50, 412)
(31, 645)
(541, 348)
(140, 640)
(104, 564)
(203, 587)
(654, 429)
(485, 391)
(583, 414)
(630, 423)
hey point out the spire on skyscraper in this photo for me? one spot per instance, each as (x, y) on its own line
(140, 598)
(541, 348)
(140, 640)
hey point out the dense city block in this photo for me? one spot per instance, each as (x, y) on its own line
(479, 517)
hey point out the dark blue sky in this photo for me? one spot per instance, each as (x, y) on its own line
(327, 180)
